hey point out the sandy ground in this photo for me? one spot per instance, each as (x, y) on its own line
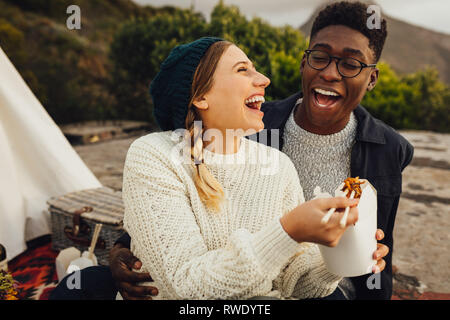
(422, 229)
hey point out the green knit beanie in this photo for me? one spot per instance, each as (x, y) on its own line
(171, 88)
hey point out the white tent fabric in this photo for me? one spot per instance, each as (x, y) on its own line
(36, 163)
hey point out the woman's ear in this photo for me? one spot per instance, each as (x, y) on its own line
(201, 103)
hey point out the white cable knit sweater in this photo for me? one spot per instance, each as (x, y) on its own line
(238, 253)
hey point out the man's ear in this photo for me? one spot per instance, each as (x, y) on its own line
(373, 79)
(302, 63)
(201, 103)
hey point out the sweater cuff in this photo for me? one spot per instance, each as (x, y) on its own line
(273, 247)
(327, 281)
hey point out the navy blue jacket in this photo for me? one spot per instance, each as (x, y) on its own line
(379, 155)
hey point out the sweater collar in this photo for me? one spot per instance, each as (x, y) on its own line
(230, 158)
(343, 137)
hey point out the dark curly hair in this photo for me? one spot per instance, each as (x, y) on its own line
(353, 15)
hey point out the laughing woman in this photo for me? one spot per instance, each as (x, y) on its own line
(220, 226)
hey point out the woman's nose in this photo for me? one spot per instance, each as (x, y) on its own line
(261, 80)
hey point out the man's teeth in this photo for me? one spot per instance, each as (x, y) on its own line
(326, 93)
(255, 99)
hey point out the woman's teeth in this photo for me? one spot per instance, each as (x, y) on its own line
(255, 99)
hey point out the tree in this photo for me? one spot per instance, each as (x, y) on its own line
(275, 51)
(416, 101)
(137, 51)
(430, 100)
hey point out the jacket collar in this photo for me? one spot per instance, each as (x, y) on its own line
(369, 129)
(276, 114)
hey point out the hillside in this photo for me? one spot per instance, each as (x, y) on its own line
(68, 70)
(409, 48)
(103, 70)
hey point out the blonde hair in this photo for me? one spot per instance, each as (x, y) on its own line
(209, 189)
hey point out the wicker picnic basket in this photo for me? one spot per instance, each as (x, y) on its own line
(74, 216)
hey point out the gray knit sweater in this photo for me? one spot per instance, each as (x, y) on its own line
(320, 160)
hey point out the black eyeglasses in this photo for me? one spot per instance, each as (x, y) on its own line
(347, 67)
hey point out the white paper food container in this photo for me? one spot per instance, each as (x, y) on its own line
(82, 262)
(353, 256)
(63, 260)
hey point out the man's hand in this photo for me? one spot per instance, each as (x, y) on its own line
(380, 253)
(121, 263)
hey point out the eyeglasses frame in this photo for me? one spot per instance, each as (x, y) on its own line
(337, 60)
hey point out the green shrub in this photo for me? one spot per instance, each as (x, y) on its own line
(415, 101)
(103, 71)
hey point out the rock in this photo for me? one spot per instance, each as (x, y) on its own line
(422, 225)
(97, 131)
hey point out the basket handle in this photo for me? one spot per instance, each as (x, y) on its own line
(80, 231)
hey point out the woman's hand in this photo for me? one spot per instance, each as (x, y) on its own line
(303, 224)
(380, 253)
(122, 261)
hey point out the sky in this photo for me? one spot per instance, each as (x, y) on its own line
(431, 14)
